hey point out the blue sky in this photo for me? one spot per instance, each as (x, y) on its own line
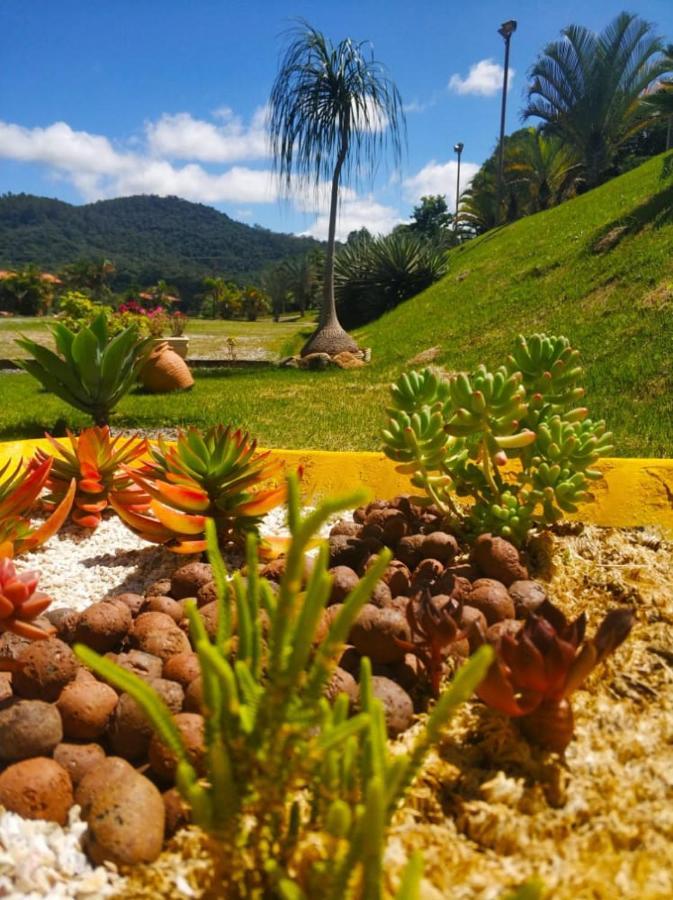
(105, 98)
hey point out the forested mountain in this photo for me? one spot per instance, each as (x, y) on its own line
(147, 238)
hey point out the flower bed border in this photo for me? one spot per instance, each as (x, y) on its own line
(635, 492)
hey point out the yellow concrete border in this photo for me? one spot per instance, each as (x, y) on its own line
(634, 491)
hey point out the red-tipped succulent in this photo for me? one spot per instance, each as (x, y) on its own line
(19, 491)
(20, 602)
(537, 669)
(433, 625)
(95, 461)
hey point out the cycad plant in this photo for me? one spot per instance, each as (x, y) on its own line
(585, 89)
(91, 371)
(298, 795)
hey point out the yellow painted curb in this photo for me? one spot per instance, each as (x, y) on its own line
(634, 491)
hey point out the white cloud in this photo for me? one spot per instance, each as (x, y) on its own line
(439, 178)
(180, 136)
(59, 146)
(354, 212)
(484, 79)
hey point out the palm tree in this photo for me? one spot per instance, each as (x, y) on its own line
(659, 99)
(332, 108)
(303, 279)
(543, 169)
(585, 88)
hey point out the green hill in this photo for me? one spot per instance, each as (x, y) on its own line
(543, 273)
(147, 238)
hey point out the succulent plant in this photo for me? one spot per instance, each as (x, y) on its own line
(20, 602)
(455, 437)
(433, 629)
(19, 492)
(91, 371)
(94, 460)
(536, 670)
(217, 474)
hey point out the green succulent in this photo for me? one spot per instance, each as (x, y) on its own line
(91, 370)
(455, 437)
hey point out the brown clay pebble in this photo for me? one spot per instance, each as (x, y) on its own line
(410, 550)
(347, 551)
(497, 558)
(86, 709)
(341, 682)
(183, 668)
(439, 545)
(407, 672)
(492, 598)
(133, 602)
(11, 647)
(426, 573)
(29, 728)
(207, 593)
(394, 527)
(496, 632)
(177, 812)
(381, 595)
(130, 731)
(527, 596)
(397, 705)
(454, 586)
(398, 578)
(168, 605)
(344, 580)
(77, 759)
(37, 788)
(65, 622)
(103, 626)
(144, 665)
(209, 615)
(351, 529)
(150, 623)
(186, 580)
(350, 662)
(474, 624)
(194, 695)
(166, 641)
(159, 588)
(6, 692)
(374, 634)
(45, 669)
(163, 761)
(125, 814)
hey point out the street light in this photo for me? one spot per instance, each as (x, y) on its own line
(458, 148)
(506, 30)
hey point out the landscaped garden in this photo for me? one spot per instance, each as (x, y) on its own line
(438, 669)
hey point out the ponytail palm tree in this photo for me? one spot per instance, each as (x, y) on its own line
(585, 88)
(332, 109)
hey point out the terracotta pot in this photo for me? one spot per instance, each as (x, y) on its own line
(165, 371)
(178, 345)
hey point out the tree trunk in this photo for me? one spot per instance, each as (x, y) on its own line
(329, 336)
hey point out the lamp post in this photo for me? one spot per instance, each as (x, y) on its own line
(458, 148)
(506, 30)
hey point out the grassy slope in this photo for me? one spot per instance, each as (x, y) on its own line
(538, 274)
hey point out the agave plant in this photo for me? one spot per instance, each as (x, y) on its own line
(19, 492)
(537, 669)
(217, 474)
(94, 461)
(90, 371)
(20, 602)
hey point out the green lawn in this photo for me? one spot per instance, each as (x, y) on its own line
(537, 274)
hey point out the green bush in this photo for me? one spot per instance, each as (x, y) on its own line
(299, 794)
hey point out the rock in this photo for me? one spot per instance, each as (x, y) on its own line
(130, 730)
(425, 357)
(426, 573)
(183, 668)
(133, 602)
(45, 667)
(6, 692)
(11, 648)
(439, 545)
(65, 622)
(209, 615)
(492, 599)
(497, 558)
(157, 633)
(124, 812)
(350, 529)
(289, 362)
(206, 594)
(397, 705)
(398, 578)
(374, 634)
(498, 630)
(145, 665)
(454, 586)
(527, 597)
(474, 624)
(314, 361)
(103, 626)
(347, 551)
(381, 595)
(344, 580)
(37, 788)
(186, 581)
(163, 761)
(610, 240)
(77, 759)
(346, 360)
(342, 682)
(410, 550)
(29, 728)
(167, 605)
(177, 812)
(194, 695)
(86, 709)
(394, 527)
(160, 588)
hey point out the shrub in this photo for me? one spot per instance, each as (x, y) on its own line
(375, 275)
(455, 435)
(298, 794)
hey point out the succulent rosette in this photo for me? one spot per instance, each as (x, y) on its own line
(20, 602)
(536, 670)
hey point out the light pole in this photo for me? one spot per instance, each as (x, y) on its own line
(506, 30)
(458, 148)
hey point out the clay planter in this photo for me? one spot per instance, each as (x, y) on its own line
(179, 344)
(165, 371)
